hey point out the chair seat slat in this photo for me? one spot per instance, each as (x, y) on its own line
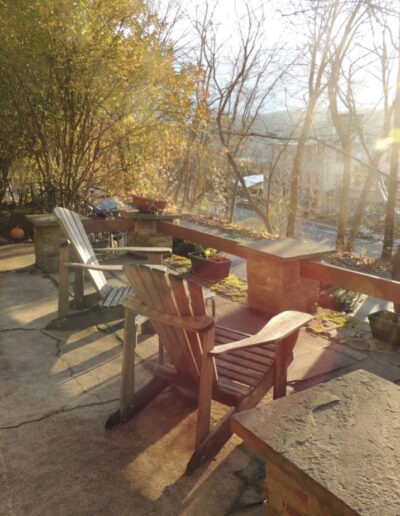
(239, 378)
(116, 296)
(238, 373)
(253, 363)
(226, 385)
(255, 354)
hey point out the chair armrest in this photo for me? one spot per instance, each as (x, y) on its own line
(95, 267)
(139, 250)
(202, 323)
(279, 327)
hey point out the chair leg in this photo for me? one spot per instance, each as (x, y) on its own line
(205, 389)
(79, 288)
(212, 443)
(132, 402)
(140, 400)
(63, 288)
(128, 363)
(63, 293)
(282, 359)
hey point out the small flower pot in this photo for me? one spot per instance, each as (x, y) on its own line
(149, 205)
(210, 268)
(384, 326)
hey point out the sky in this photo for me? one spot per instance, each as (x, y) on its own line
(225, 22)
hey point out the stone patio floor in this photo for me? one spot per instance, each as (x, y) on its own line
(57, 389)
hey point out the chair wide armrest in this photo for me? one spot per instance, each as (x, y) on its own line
(95, 267)
(279, 327)
(202, 323)
(139, 250)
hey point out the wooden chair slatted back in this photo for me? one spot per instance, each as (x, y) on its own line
(169, 294)
(71, 224)
(189, 299)
(151, 288)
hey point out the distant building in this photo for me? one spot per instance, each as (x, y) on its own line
(322, 168)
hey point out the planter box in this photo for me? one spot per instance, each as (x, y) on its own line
(210, 269)
(383, 327)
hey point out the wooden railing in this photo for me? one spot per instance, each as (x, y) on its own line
(111, 225)
(324, 273)
(352, 280)
(207, 239)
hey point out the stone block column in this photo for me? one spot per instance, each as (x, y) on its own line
(145, 231)
(47, 237)
(273, 275)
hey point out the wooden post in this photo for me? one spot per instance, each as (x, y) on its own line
(205, 388)
(282, 355)
(79, 288)
(63, 291)
(155, 258)
(128, 364)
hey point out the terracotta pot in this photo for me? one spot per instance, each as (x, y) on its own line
(208, 268)
(149, 205)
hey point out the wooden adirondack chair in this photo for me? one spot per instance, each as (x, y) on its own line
(213, 362)
(106, 304)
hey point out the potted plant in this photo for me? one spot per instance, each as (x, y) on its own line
(210, 264)
(385, 324)
(151, 190)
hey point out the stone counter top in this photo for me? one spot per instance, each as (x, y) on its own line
(288, 249)
(45, 219)
(341, 436)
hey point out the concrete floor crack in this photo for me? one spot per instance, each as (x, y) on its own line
(55, 413)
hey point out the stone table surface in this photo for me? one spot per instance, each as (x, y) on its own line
(42, 219)
(45, 220)
(344, 434)
(289, 249)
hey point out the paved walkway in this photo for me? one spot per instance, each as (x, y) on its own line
(57, 389)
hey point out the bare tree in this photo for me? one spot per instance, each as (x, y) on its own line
(331, 26)
(380, 55)
(394, 165)
(346, 121)
(240, 77)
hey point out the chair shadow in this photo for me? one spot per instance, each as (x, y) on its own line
(161, 441)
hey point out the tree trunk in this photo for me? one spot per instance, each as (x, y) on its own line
(295, 178)
(359, 211)
(388, 236)
(344, 203)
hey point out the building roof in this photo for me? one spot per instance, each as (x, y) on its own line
(253, 180)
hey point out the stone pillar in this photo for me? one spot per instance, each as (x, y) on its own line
(275, 286)
(47, 237)
(273, 275)
(145, 232)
